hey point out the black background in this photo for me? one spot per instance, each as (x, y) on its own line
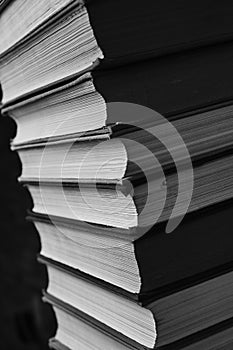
(26, 322)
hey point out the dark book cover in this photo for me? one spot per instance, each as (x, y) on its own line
(198, 248)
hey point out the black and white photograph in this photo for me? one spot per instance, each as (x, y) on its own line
(116, 148)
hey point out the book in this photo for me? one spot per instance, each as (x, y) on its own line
(176, 86)
(80, 51)
(79, 35)
(128, 204)
(115, 256)
(12, 27)
(219, 336)
(84, 157)
(160, 322)
(107, 18)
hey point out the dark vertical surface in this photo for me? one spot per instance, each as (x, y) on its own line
(25, 322)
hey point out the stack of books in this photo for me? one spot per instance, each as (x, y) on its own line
(124, 119)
